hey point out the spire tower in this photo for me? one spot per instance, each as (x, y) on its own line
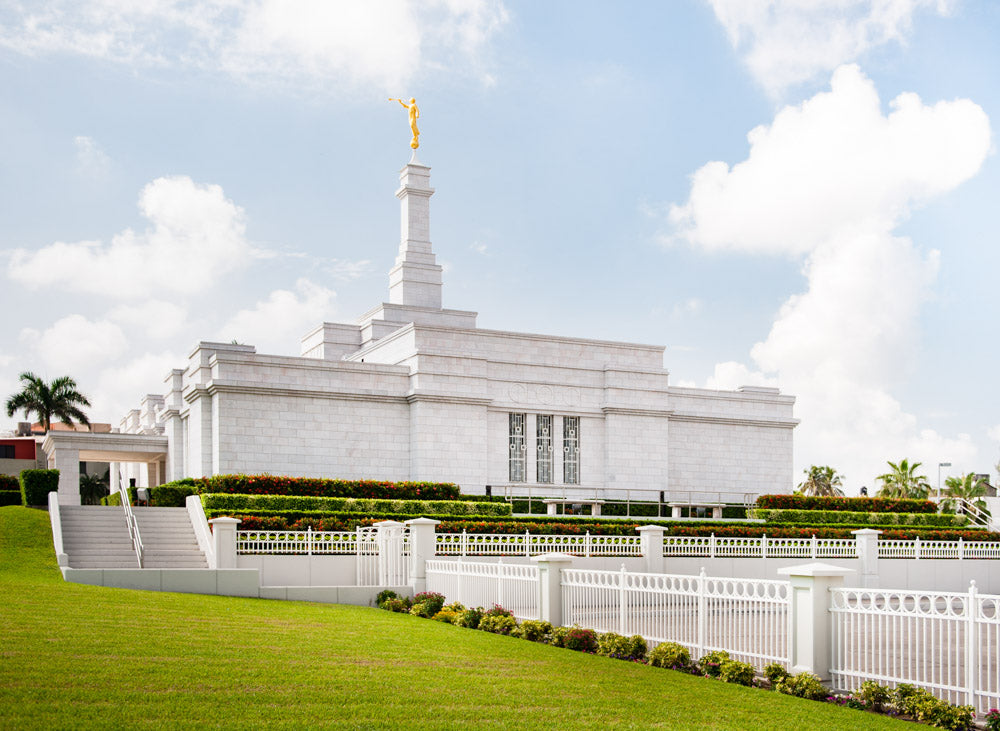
(415, 280)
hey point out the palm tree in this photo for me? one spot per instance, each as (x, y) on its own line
(59, 398)
(92, 489)
(904, 482)
(821, 482)
(967, 488)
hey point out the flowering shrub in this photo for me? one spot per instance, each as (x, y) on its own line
(533, 630)
(739, 673)
(498, 624)
(873, 695)
(446, 616)
(322, 487)
(427, 604)
(9, 482)
(259, 503)
(580, 639)
(611, 644)
(470, 618)
(992, 720)
(669, 655)
(854, 504)
(775, 673)
(498, 611)
(711, 663)
(803, 685)
(857, 518)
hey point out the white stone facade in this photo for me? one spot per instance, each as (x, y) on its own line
(412, 391)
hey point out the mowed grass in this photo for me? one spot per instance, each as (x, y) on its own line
(81, 656)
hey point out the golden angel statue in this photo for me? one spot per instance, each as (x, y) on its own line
(414, 116)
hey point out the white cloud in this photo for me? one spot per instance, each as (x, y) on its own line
(345, 270)
(690, 306)
(730, 375)
(786, 42)
(830, 179)
(312, 42)
(91, 160)
(155, 318)
(196, 235)
(74, 341)
(121, 388)
(994, 433)
(275, 325)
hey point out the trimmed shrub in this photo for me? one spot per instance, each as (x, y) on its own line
(470, 618)
(9, 483)
(456, 607)
(803, 685)
(498, 611)
(322, 487)
(867, 519)
(172, 494)
(873, 695)
(851, 504)
(775, 673)
(711, 663)
(430, 599)
(396, 605)
(534, 630)
(611, 644)
(498, 624)
(259, 503)
(36, 486)
(384, 595)
(445, 616)
(10, 497)
(580, 639)
(736, 672)
(669, 655)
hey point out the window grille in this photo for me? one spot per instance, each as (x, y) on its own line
(571, 450)
(543, 438)
(6, 451)
(518, 448)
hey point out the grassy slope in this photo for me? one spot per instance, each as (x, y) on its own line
(75, 655)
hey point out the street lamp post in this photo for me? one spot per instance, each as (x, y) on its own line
(940, 465)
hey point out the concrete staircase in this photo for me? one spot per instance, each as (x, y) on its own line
(96, 537)
(168, 539)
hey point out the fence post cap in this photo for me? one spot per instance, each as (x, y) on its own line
(418, 521)
(387, 524)
(651, 528)
(553, 558)
(225, 520)
(815, 569)
(866, 532)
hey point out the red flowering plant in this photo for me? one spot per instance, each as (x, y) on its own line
(853, 504)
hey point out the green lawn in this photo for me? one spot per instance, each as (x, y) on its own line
(81, 656)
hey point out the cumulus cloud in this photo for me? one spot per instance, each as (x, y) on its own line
(276, 324)
(73, 340)
(119, 388)
(195, 235)
(155, 318)
(311, 42)
(829, 180)
(787, 42)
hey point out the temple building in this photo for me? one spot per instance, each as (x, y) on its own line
(414, 391)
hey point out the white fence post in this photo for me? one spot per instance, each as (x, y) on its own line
(224, 541)
(309, 540)
(916, 548)
(527, 543)
(423, 545)
(622, 601)
(961, 548)
(866, 547)
(651, 544)
(711, 546)
(586, 550)
(500, 597)
(810, 627)
(550, 605)
(702, 612)
(972, 648)
(465, 543)
(815, 545)
(763, 545)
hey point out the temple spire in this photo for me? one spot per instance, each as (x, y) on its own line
(415, 280)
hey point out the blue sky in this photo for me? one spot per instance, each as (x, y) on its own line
(781, 192)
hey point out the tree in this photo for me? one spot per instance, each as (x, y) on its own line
(967, 488)
(58, 399)
(821, 482)
(904, 482)
(92, 489)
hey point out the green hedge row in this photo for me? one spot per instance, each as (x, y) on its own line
(168, 495)
(316, 519)
(36, 486)
(353, 505)
(850, 504)
(10, 497)
(819, 517)
(9, 482)
(322, 487)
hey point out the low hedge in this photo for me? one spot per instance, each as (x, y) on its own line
(36, 486)
(9, 482)
(10, 497)
(850, 504)
(315, 519)
(353, 505)
(322, 487)
(167, 495)
(942, 520)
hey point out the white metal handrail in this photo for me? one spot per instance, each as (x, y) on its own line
(132, 523)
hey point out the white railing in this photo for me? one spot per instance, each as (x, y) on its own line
(763, 547)
(747, 618)
(133, 525)
(946, 642)
(474, 584)
(527, 544)
(308, 542)
(917, 549)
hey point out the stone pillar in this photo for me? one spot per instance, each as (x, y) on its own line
(391, 561)
(415, 280)
(675, 511)
(224, 540)
(67, 461)
(114, 478)
(651, 540)
(809, 622)
(867, 547)
(423, 546)
(550, 566)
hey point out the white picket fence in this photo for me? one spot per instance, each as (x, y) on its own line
(512, 586)
(763, 547)
(960, 549)
(527, 544)
(747, 618)
(946, 642)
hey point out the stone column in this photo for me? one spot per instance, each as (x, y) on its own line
(651, 540)
(809, 624)
(67, 461)
(423, 546)
(114, 478)
(550, 566)
(867, 547)
(224, 540)
(415, 280)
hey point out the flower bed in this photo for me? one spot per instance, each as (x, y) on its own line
(851, 504)
(322, 487)
(254, 503)
(940, 520)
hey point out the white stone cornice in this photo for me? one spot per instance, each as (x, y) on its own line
(634, 411)
(448, 399)
(734, 421)
(300, 392)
